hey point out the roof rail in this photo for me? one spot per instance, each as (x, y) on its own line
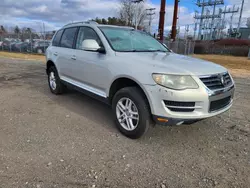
(82, 22)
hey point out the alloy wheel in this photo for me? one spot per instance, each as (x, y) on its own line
(127, 114)
(52, 80)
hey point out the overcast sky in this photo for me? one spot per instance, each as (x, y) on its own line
(56, 13)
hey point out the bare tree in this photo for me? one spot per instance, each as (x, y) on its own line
(2, 29)
(134, 14)
(126, 12)
(17, 31)
(248, 22)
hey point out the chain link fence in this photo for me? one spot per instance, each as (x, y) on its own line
(185, 47)
(35, 42)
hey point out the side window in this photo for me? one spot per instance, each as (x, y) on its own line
(57, 38)
(68, 36)
(87, 33)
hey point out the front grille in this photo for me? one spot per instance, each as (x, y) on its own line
(177, 106)
(219, 104)
(218, 81)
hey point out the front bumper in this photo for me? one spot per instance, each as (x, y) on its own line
(201, 97)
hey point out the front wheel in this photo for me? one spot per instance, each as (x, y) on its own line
(131, 111)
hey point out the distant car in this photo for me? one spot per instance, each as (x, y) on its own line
(39, 47)
(20, 47)
(8, 45)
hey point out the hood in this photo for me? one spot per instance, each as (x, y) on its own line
(171, 63)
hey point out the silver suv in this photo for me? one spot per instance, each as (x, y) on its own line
(140, 78)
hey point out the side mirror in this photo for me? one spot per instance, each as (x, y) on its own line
(90, 45)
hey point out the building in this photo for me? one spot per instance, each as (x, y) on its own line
(245, 33)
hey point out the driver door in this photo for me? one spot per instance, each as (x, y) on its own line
(91, 66)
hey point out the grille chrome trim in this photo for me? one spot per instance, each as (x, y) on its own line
(217, 82)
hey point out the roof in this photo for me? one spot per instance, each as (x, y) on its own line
(115, 26)
(85, 23)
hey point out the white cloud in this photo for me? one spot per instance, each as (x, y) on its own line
(56, 13)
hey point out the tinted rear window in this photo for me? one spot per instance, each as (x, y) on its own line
(57, 38)
(68, 37)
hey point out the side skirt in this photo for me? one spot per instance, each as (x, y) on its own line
(88, 93)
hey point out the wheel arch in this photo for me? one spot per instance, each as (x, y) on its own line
(122, 82)
(49, 64)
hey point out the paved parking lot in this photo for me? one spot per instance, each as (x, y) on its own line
(71, 141)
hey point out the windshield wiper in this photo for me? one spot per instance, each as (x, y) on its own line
(157, 50)
(134, 50)
(148, 50)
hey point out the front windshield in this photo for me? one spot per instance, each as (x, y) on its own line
(130, 40)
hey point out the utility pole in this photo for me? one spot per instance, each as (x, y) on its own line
(186, 41)
(223, 21)
(195, 29)
(201, 20)
(136, 11)
(212, 24)
(241, 10)
(231, 20)
(175, 17)
(206, 25)
(150, 14)
(186, 31)
(161, 20)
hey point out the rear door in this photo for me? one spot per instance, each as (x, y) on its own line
(66, 54)
(54, 51)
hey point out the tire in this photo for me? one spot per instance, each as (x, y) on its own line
(55, 84)
(139, 105)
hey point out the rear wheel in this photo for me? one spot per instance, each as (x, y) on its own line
(131, 111)
(55, 84)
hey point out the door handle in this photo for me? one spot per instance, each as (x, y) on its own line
(73, 57)
(55, 54)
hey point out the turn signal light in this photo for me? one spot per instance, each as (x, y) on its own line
(162, 120)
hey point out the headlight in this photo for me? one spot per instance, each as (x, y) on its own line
(175, 81)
